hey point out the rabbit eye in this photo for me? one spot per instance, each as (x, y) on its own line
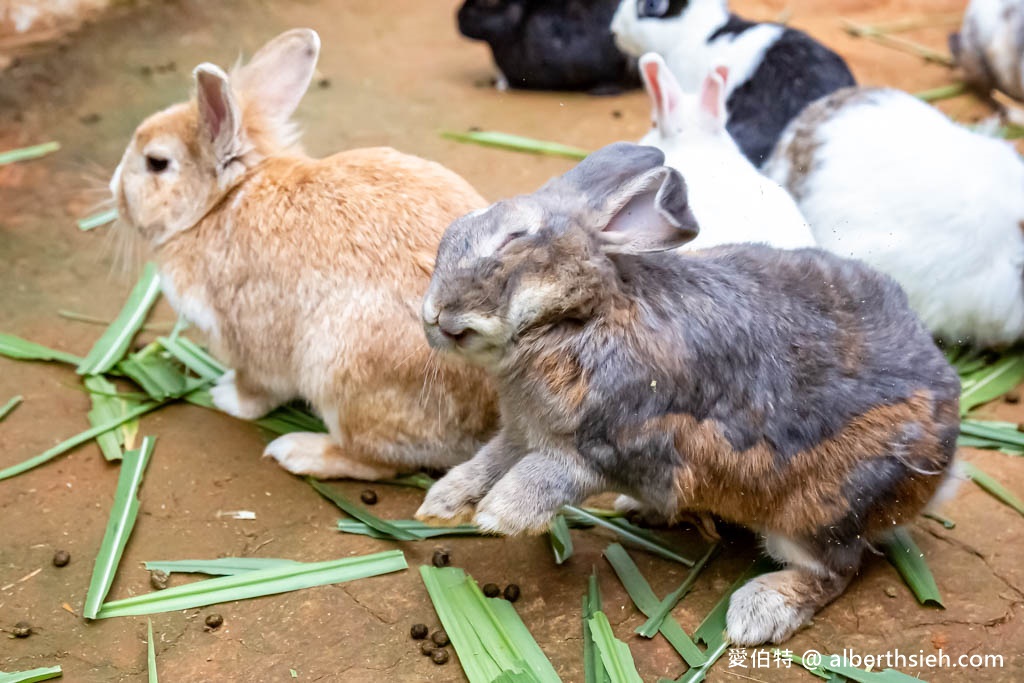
(510, 237)
(156, 164)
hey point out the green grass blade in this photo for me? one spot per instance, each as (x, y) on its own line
(699, 673)
(832, 663)
(22, 349)
(415, 527)
(77, 440)
(283, 420)
(989, 484)
(10, 406)
(516, 143)
(997, 434)
(487, 633)
(993, 381)
(97, 219)
(418, 480)
(637, 537)
(943, 92)
(256, 584)
(193, 357)
(112, 346)
(615, 654)
(362, 514)
(712, 630)
(151, 652)
(909, 561)
(106, 407)
(222, 566)
(119, 527)
(593, 666)
(647, 602)
(665, 607)
(27, 153)
(32, 676)
(560, 539)
(157, 376)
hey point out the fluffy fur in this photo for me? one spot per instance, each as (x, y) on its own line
(794, 392)
(886, 178)
(730, 199)
(305, 275)
(990, 46)
(550, 44)
(774, 71)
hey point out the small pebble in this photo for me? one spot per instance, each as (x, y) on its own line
(369, 497)
(146, 70)
(439, 656)
(427, 647)
(511, 592)
(90, 118)
(324, 83)
(616, 114)
(442, 558)
(61, 558)
(1012, 397)
(440, 638)
(159, 579)
(22, 630)
(418, 631)
(890, 591)
(491, 590)
(214, 620)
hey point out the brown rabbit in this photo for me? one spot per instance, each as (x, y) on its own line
(305, 275)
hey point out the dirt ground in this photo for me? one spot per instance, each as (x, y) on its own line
(394, 73)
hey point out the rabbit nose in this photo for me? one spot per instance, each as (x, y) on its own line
(450, 327)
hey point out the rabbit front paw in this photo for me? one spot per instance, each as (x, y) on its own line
(453, 499)
(233, 400)
(759, 613)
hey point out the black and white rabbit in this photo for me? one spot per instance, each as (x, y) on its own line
(551, 44)
(774, 71)
(791, 391)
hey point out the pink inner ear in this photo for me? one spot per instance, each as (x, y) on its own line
(654, 86)
(723, 72)
(212, 106)
(711, 96)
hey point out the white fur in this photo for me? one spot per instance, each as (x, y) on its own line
(682, 41)
(227, 398)
(730, 199)
(896, 184)
(191, 305)
(758, 614)
(787, 551)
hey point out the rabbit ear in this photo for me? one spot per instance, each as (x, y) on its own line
(663, 89)
(277, 76)
(219, 118)
(639, 205)
(712, 99)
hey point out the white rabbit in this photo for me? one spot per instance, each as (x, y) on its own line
(883, 177)
(732, 201)
(990, 46)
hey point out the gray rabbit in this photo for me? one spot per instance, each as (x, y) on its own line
(793, 392)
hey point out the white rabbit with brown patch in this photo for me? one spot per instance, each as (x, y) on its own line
(305, 274)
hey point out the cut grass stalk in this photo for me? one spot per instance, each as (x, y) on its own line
(909, 561)
(112, 346)
(994, 434)
(945, 522)
(646, 601)
(560, 539)
(991, 381)
(418, 480)
(593, 666)
(420, 530)
(119, 527)
(10, 406)
(629, 533)
(222, 566)
(97, 220)
(27, 153)
(283, 420)
(943, 92)
(158, 376)
(615, 654)
(77, 440)
(151, 652)
(256, 584)
(193, 357)
(22, 349)
(491, 640)
(93, 320)
(896, 43)
(669, 602)
(106, 407)
(362, 514)
(31, 676)
(988, 483)
(516, 143)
